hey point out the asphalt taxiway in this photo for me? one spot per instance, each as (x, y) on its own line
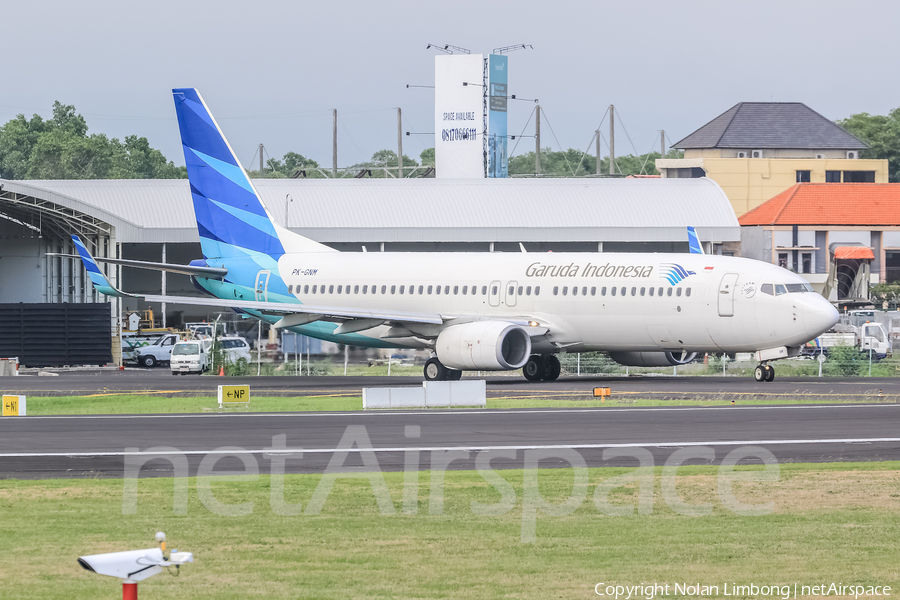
(104, 446)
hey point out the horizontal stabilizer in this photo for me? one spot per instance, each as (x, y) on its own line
(210, 272)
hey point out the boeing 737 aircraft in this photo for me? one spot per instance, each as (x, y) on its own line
(490, 311)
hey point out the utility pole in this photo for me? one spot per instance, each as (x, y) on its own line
(537, 139)
(260, 159)
(597, 138)
(334, 146)
(662, 143)
(399, 144)
(612, 141)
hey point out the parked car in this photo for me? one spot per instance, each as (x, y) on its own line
(189, 357)
(235, 349)
(157, 352)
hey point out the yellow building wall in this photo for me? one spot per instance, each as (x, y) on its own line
(748, 182)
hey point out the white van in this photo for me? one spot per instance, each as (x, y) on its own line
(235, 349)
(189, 357)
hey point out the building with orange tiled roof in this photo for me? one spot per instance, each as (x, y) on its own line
(841, 236)
(756, 150)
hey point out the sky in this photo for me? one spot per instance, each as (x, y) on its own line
(271, 71)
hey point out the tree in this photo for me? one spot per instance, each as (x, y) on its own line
(426, 158)
(576, 163)
(882, 134)
(60, 148)
(287, 167)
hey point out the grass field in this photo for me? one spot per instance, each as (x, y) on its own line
(115, 404)
(830, 523)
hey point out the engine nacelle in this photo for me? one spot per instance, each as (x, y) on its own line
(484, 346)
(652, 359)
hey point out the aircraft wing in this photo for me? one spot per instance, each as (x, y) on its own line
(283, 308)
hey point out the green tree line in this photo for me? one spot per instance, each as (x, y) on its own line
(60, 148)
(882, 134)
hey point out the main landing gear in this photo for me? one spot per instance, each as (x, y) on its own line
(542, 366)
(436, 371)
(764, 373)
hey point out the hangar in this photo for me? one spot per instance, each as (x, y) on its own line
(153, 220)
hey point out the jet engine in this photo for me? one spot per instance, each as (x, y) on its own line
(652, 359)
(484, 346)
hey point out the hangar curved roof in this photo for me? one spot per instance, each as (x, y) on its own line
(420, 210)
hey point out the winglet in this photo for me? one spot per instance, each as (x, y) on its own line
(101, 283)
(694, 241)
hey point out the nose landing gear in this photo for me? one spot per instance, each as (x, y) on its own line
(764, 373)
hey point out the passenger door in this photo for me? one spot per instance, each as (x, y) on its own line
(726, 294)
(262, 286)
(511, 293)
(494, 294)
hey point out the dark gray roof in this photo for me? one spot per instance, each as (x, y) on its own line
(759, 125)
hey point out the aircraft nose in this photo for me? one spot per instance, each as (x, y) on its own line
(820, 315)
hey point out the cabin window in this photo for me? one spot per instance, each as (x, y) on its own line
(421, 289)
(565, 290)
(474, 291)
(660, 292)
(494, 290)
(455, 290)
(687, 292)
(634, 291)
(402, 289)
(447, 290)
(528, 290)
(642, 291)
(555, 290)
(593, 291)
(612, 291)
(412, 289)
(575, 290)
(340, 287)
(484, 290)
(623, 290)
(678, 292)
(537, 290)
(512, 290)
(290, 289)
(430, 288)
(520, 290)
(384, 289)
(314, 289)
(330, 289)
(305, 289)
(465, 290)
(780, 289)
(365, 289)
(603, 291)
(652, 290)
(669, 292)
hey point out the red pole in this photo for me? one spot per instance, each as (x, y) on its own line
(129, 591)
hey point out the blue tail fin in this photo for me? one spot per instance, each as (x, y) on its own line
(231, 219)
(694, 241)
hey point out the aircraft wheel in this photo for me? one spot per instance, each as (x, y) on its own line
(552, 368)
(534, 368)
(760, 373)
(434, 370)
(148, 361)
(453, 375)
(770, 373)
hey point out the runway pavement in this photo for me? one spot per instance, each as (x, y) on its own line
(102, 446)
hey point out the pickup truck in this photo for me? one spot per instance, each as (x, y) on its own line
(865, 337)
(158, 352)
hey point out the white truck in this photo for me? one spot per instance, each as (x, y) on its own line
(865, 337)
(159, 352)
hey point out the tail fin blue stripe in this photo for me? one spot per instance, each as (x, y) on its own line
(231, 219)
(694, 241)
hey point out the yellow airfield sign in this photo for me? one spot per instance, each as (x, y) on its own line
(13, 406)
(234, 394)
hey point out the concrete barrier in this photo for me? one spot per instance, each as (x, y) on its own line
(432, 394)
(9, 366)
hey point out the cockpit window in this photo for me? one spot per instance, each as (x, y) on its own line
(798, 287)
(767, 288)
(780, 289)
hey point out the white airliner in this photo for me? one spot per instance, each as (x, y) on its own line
(475, 311)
